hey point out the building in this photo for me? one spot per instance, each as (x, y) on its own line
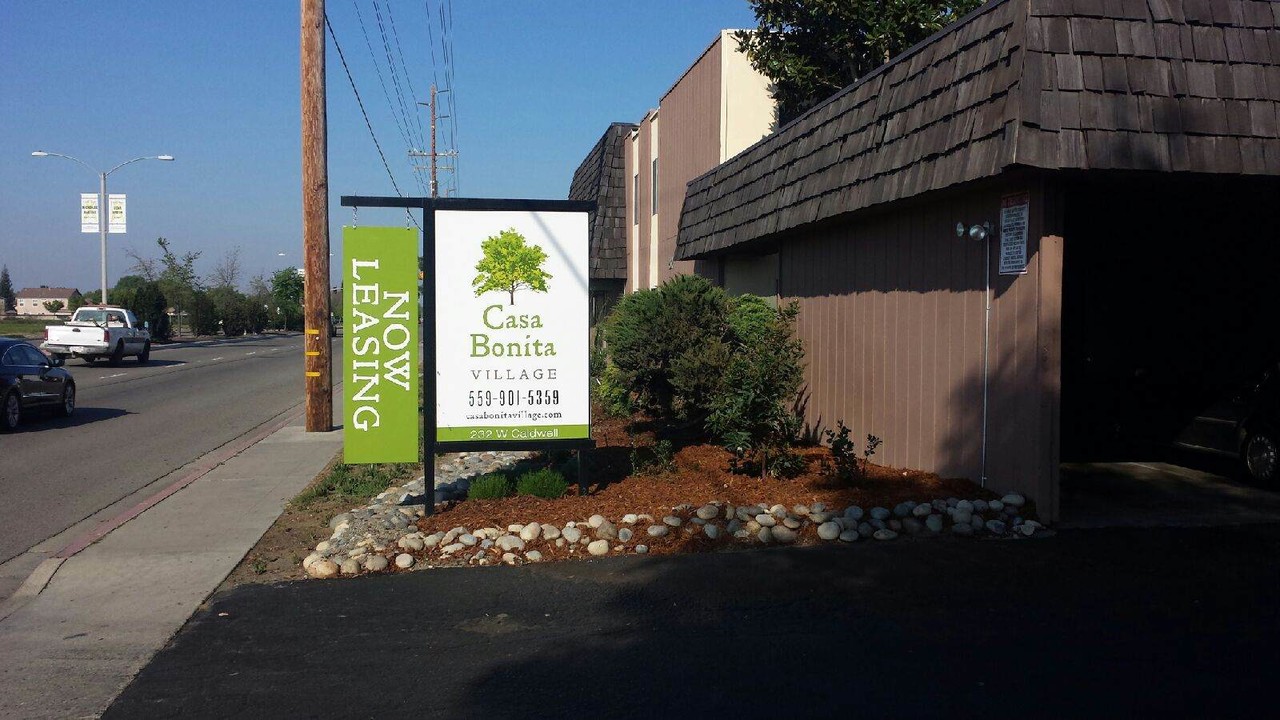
(1051, 220)
(719, 106)
(602, 178)
(30, 301)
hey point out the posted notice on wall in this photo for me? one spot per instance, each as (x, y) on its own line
(115, 214)
(89, 212)
(1014, 210)
(511, 326)
(381, 345)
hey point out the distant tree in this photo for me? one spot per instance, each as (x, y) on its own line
(7, 299)
(810, 49)
(150, 306)
(93, 297)
(204, 316)
(175, 273)
(509, 265)
(54, 306)
(75, 302)
(286, 293)
(227, 273)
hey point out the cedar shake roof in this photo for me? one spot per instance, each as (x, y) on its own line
(45, 293)
(1162, 85)
(602, 177)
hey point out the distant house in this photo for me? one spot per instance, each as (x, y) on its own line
(31, 300)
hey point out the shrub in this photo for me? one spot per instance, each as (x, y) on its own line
(544, 483)
(752, 413)
(204, 316)
(669, 348)
(149, 305)
(612, 394)
(844, 453)
(489, 487)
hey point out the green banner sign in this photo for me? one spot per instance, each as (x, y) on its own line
(381, 345)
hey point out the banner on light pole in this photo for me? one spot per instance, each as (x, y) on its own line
(115, 214)
(89, 212)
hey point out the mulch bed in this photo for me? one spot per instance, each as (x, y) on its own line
(700, 474)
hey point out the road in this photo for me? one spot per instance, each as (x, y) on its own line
(136, 424)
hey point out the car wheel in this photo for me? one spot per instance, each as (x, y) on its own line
(118, 353)
(90, 359)
(145, 355)
(68, 405)
(1260, 456)
(11, 412)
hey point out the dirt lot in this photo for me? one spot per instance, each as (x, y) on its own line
(694, 475)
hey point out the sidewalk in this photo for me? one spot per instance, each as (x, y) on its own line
(106, 609)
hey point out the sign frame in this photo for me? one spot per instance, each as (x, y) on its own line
(429, 206)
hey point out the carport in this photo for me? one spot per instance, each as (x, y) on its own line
(1132, 148)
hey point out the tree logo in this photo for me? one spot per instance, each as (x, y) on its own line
(509, 265)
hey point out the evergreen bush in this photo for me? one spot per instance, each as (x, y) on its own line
(544, 483)
(489, 487)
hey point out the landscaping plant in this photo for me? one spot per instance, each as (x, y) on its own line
(489, 487)
(544, 483)
(844, 453)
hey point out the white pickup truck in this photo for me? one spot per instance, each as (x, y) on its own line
(99, 332)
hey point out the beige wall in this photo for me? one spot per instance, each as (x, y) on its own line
(35, 306)
(631, 156)
(747, 112)
(892, 319)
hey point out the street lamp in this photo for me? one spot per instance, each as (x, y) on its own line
(102, 201)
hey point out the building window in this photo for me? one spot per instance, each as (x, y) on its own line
(654, 185)
(635, 199)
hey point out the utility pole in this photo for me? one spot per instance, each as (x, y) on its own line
(435, 186)
(315, 222)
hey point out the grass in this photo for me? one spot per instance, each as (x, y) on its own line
(25, 328)
(355, 481)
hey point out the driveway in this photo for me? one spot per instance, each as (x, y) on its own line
(1152, 494)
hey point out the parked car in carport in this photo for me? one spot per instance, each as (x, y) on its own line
(1244, 424)
(30, 379)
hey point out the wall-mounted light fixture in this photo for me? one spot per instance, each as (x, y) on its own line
(980, 232)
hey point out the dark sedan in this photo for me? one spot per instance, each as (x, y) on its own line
(30, 379)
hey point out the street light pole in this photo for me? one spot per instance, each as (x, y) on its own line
(102, 202)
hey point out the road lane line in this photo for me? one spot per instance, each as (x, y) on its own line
(215, 359)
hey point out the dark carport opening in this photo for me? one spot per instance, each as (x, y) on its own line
(1171, 311)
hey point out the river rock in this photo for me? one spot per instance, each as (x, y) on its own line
(765, 535)
(880, 513)
(965, 505)
(934, 523)
(515, 528)
(509, 543)
(607, 531)
(308, 560)
(530, 531)
(411, 542)
(629, 518)
(349, 567)
(339, 519)
(323, 547)
(1027, 529)
(323, 569)
(921, 510)
(853, 512)
(866, 530)
(995, 506)
(766, 520)
(598, 548)
(432, 540)
(965, 529)
(791, 523)
(1012, 499)
(375, 563)
(658, 530)
(778, 511)
(912, 526)
(404, 561)
(885, 535)
(571, 534)
(711, 530)
(784, 534)
(642, 549)
(849, 536)
(829, 531)
(533, 556)
(800, 510)
(708, 512)
(625, 534)
(468, 539)
(672, 520)
(996, 527)
(595, 521)
(550, 532)
(980, 506)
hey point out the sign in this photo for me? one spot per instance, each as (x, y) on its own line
(380, 360)
(89, 212)
(512, 348)
(115, 214)
(1014, 210)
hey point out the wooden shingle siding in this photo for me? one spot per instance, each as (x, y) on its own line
(1164, 85)
(602, 177)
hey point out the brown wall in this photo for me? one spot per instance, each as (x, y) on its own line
(690, 146)
(892, 319)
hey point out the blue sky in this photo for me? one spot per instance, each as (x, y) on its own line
(216, 85)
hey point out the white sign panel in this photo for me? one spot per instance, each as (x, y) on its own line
(115, 214)
(88, 212)
(511, 326)
(1013, 234)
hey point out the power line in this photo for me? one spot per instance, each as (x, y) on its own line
(360, 102)
(404, 133)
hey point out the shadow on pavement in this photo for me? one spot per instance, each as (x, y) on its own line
(42, 419)
(1119, 622)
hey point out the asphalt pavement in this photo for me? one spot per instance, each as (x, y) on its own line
(1159, 622)
(136, 427)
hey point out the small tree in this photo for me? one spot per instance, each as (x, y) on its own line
(54, 306)
(286, 293)
(8, 301)
(151, 308)
(509, 265)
